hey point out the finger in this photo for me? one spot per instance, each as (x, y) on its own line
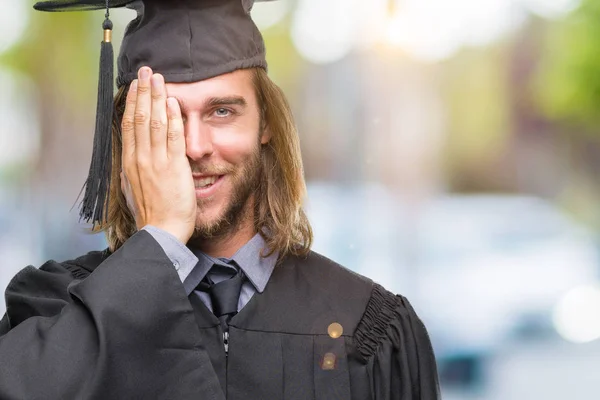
(127, 123)
(142, 115)
(158, 119)
(175, 131)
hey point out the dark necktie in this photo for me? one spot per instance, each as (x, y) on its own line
(224, 296)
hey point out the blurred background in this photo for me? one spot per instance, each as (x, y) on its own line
(451, 150)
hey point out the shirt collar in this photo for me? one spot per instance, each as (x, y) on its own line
(258, 269)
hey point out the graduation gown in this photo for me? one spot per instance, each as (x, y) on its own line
(119, 326)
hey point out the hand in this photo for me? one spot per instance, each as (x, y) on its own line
(157, 177)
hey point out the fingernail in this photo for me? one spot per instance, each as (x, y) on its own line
(155, 81)
(133, 86)
(144, 73)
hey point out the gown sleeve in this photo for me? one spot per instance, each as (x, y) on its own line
(126, 331)
(396, 346)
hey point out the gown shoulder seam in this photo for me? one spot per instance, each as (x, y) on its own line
(381, 309)
(77, 271)
(82, 267)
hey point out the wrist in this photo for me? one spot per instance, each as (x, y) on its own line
(179, 233)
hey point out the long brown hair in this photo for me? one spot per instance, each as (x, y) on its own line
(279, 216)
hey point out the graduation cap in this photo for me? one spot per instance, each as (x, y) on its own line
(184, 40)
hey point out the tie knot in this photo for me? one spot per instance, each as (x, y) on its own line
(225, 294)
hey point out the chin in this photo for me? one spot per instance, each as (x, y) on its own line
(209, 217)
(203, 221)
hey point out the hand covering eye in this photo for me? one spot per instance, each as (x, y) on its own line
(184, 40)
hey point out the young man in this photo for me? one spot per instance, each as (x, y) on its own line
(208, 289)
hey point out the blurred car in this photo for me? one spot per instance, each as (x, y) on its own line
(479, 269)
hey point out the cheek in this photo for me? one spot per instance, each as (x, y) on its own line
(236, 148)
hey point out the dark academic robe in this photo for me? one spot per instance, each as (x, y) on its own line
(119, 326)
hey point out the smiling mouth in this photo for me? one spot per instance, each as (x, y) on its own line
(206, 181)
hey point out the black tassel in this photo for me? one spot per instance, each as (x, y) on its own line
(97, 184)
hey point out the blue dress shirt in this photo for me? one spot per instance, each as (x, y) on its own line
(193, 265)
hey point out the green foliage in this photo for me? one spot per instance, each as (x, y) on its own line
(568, 83)
(475, 89)
(285, 64)
(60, 52)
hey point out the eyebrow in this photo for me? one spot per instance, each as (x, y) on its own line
(225, 101)
(215, 102)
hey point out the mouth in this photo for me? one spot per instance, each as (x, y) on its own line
(206, 185)
(202, 182)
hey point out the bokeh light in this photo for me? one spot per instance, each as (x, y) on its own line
(428, 30)
(577, 315)
(321, 33)
(13, 22)
(269, 13)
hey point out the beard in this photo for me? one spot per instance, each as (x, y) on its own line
(238, 207)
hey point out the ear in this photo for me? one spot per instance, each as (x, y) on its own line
(122, 176)
(265, 136)
(126, 190)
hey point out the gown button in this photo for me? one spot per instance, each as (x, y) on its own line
(335, 330)
(328, 361)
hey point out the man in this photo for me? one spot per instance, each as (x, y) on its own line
(208, 289)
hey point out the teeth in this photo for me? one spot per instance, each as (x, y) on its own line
(205, 181)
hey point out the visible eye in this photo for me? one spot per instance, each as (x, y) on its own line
(222, 112)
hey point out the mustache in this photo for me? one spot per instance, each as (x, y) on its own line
(207, 169)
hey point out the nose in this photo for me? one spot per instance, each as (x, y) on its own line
(198, 138)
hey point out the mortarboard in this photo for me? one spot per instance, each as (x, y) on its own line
(184, 40)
